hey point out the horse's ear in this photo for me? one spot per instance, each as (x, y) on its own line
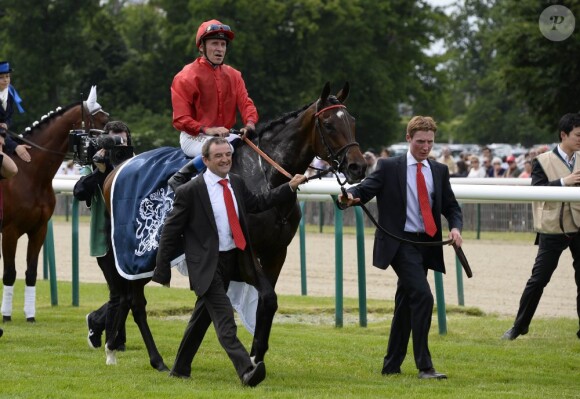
(325, 92)
(343, 93)
(92, 104)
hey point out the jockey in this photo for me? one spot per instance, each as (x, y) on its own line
(10, 100)
(205, 96)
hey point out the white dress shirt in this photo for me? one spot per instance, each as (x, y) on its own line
(218, 205)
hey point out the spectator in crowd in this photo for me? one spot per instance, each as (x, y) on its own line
(512, 169)
(385, 153)
(371, 160)
(486, 165)
(556, 223)
(486, 152)
(476, 170)
(527, 172)
(533, 153)
(461, 169)
(496, 169)
(447, 159)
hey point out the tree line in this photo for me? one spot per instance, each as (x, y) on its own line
(498, 80)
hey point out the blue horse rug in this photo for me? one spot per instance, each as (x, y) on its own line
(141, 201)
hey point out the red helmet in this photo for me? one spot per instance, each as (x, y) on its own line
(213, 29)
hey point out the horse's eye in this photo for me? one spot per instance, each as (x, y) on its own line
(328, 125)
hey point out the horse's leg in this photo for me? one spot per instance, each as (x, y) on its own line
(138, 307)
(267, 303)
(120, 318)
(9, 276)
(35, 242)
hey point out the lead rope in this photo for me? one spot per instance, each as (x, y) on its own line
(458, 250)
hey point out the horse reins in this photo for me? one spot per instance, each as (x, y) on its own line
(32, 144)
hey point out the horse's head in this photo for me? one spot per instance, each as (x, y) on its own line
(335, 138)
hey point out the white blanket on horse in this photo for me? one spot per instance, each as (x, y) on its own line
(141, 200)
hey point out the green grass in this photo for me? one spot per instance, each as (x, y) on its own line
(51, 359)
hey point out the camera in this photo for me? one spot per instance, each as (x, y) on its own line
(85, 146)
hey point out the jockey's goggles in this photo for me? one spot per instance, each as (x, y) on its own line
(217, 28)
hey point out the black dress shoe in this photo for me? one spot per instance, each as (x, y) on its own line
(431, 374)
(6, 318)
(513, 333)
(390, 372)
(175, 374)
(1, 332)
(255, 375)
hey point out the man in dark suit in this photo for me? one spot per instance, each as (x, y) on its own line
(216, 253)
(557, 223)
(410, 206)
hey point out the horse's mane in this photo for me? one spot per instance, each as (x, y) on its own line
(47, 118)
(278, 124)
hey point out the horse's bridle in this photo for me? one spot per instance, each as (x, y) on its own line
(39, 147)
(338, 157)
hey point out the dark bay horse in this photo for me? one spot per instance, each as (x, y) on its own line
(29, 198)
(322, 129)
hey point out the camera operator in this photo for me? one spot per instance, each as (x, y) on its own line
(89, 188)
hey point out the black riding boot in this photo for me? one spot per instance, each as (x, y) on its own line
(182, 176)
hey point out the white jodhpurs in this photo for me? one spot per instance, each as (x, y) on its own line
(191, 145)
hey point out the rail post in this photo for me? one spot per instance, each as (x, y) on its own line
(302, 233)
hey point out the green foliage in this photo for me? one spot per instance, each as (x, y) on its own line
(308, 356)
(508, 82)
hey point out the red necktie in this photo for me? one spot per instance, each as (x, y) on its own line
(232, 216)
(430, 227)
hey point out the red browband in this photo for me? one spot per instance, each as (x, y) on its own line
(329, 107)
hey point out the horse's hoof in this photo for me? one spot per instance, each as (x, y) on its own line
(161, 367)
(111, 356)
(31, 319)
(6, 318)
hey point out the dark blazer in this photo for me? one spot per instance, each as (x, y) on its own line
(6, 117)
(389, 184)
(6, 114)
(191, 225)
